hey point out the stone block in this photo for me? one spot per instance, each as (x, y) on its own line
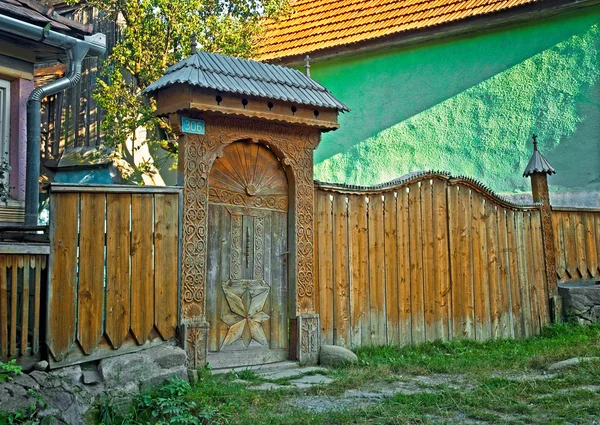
(581, 301)
(334, 356)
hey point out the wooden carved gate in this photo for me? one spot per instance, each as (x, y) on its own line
(247, 283)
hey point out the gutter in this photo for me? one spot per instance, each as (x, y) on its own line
(76, 50)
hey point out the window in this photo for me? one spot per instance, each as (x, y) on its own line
(4, 121)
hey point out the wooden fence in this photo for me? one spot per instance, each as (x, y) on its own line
(424, 259)
(22, 277)
(577, 243)
(114, 262)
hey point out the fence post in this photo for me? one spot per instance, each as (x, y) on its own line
(538, 169)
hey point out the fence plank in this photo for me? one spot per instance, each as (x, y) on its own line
(25, 305)
(440, 260)
(3, 306)
(523, 275)
(481, 288)
(166, 232)
(532, 277)
(118, 207)
(580, 243)
(376, 271)
(540, 269)
(455, 262)
(341, 299)
(416, 264)
(91, 272)
(592, 244)
(142, 274)
(404, 281)
(391, 266)
(493, 266)
(516, 275)
(570, 245)
(429, 295)
(324, 226)
(64, 214)
(505, 279)
(466, 244)
(39, 265)
(13, 307)
(357, 210)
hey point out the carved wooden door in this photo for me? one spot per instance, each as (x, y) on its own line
(247, 287)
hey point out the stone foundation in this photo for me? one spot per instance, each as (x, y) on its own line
(581, 301)
(69, 394)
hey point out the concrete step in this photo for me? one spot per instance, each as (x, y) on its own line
(259, 369)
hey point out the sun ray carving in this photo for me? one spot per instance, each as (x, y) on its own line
(248, 174)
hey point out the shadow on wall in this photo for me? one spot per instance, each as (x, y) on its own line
(484, 131)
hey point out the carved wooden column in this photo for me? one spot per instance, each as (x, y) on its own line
(538, 169)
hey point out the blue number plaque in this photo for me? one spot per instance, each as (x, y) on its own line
(192, 126)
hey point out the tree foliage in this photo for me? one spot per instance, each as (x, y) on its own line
(154, 34)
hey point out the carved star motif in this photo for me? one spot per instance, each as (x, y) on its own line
(246, 300)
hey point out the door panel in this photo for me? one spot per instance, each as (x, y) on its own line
(247, 287)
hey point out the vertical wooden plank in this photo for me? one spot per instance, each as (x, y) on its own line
(403, 248)
(166, 233)
(580, 242)
(91, 272)
(64, 215)
(3, 308)
(142, 273)
(516, 276)
(540, 269)
(13, 306)
(278, 264)
(504, 279)
(522, 271)
(391, 267)
(597, 238)
(429, 266)
(493, 266)
(376, 271)
(25, 305)
(531, 275)
(441, 261)
(359, 277)
(341, 299)
(324, 225)
(39, 261)
(416, 263)
(271, 258)
(456, 285)
(592, 245)
(118, 239)
(559, 244)
(214, 264)
(569, 235)
(465, 211)
(479, 266)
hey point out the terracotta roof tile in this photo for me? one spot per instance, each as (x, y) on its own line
(321, 24)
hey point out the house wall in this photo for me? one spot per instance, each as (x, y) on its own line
(469, 105)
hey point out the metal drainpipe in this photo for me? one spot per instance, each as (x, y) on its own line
(76, 54)
(76, 50)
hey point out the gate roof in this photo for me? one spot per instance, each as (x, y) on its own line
(247, 77)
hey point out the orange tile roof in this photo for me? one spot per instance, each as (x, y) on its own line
(321, 24)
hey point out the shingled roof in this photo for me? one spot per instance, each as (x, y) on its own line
(323, 24)
(247, 77)
(39, 14)
(537, 163)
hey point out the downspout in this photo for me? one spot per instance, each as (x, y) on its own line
(76, 50)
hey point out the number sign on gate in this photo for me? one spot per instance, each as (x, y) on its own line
(189, 125)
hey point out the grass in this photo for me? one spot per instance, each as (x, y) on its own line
(493, 395)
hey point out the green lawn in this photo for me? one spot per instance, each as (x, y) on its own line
(500, 382)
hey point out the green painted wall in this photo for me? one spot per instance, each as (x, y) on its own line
(469, 105)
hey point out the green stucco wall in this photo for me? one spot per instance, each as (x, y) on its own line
(468, 105)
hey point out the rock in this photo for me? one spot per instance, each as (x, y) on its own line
(571, 362)
(13, 397)
(313, 380)
(39, 377)
(26, 382)
(334, 356)
(167, 356)
(273, 375)
(581, 301)
(144, 368)
(268, 386)
(69, 374)
(41, 366)
(91, 377)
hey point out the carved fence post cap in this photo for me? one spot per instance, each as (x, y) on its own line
(537, 163)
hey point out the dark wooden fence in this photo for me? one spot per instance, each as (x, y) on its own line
(22, 277)
(425, 259)
(577, 243)
(114, 262)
